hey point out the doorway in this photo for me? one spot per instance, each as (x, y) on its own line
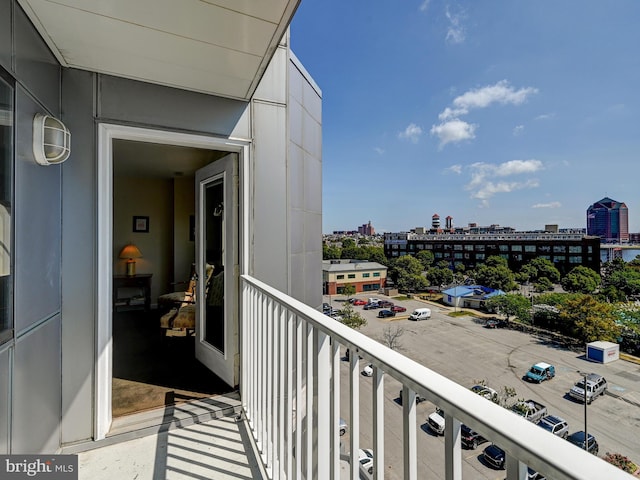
(147, 174)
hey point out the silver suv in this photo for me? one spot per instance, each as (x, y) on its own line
(556, 425)
(596, 386)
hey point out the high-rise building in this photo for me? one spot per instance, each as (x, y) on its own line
(366, 229)
(609, 220)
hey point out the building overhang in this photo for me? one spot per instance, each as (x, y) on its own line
(218, 47)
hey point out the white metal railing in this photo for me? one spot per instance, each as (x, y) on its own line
(290, 385)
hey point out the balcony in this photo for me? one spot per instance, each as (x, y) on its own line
(293, 395)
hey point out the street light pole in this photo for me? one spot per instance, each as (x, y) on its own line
(584, 385)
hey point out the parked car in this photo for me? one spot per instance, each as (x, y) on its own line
(343, 426)
(494, 456)
(495, 323)
(386, 313)
(577, 439)
(533, 475)
(486, 392)
(371, 306)
(367, 371)
(365, 458)
(436, 421)
(418, 398)
(596, 386)
(554, 424)
(326, 308)
(358, 301)
(373, 300)
(398, 308)
(539, 372)
(420, 314)
(385, 303)
(470, 438)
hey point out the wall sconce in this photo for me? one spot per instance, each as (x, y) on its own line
(51, 140)
(130, 252)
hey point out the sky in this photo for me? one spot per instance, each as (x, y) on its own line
(516, 113)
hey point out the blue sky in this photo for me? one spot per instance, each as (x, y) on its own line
(518, 113)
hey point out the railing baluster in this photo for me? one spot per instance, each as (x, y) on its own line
(452, 448)
(260, 341)
(516, 470)
(378, 423)
(354, 410)
(309, 404)
(323, 376)
(335, 410)
(289, 412)
(299, 399)
(409, 433)
(273, 407)
(282, 399)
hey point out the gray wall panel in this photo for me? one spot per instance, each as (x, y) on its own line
(36, 390)
(38, 224)
(78, 274)
(6, 45)
(5, 398)
(36, 67)
(270, 252)
(147, 104)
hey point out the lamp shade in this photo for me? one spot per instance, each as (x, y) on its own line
(130, 251)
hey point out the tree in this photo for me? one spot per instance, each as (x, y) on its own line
(495, 273)
(391, 336)
(626, 280)
(330, 252)
(348, 242)
(581, 280)
(439, 276)
(511, 304)
(352, 318)
(543, 285)
(539, 268)
(591, 320)
(426, 258)
(348, 290)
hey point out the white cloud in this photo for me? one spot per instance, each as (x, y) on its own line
(456, 31)
(517, 130)
(547, 205)
(453, 131)
(454, 169)
(545, 116)
(424, 5)
(413, 132)
(484, 182)
(378, 150)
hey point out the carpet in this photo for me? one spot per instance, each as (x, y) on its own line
(151, 371)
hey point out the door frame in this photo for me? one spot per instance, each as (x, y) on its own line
(104, 242)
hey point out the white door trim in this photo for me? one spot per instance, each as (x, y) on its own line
(106, 134)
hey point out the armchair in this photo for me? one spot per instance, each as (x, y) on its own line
(169, 300)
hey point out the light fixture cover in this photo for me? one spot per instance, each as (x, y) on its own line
(51, 140)
(130, 251)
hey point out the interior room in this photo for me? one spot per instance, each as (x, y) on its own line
(153, 255)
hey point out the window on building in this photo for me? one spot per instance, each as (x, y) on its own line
(575, 248)
(420, 246)
(575, 259)
(457, 255)
(437, 255)
(559, 258)
(6, 203)
(468, 247)
(340, 277)
(504, 248)
(351, 275)
(371, 288)
(559, 248)
(516, 248)
(365, 275)
(376, 274)
(544, 248)
(480, 256)
(457, 247)
(517, 257)
(479, 248)
(530, 248)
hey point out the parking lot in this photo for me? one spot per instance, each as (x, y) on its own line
(462, 349)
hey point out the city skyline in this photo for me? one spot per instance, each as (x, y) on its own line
(519, 114)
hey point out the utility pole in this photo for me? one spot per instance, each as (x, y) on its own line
(586, 435)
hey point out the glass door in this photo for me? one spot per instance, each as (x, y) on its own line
(217, 261)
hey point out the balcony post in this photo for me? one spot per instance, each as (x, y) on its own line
(409, 433)
(452, 448)
(323, 409)
(378, 423)
(354, 411)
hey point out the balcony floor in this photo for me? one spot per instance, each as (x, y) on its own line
(193, 442)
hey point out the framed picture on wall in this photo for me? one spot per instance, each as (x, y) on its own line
(141, 224)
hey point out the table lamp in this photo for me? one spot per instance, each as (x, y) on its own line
(130, 252)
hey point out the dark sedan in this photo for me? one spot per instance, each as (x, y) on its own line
(398, 308)
(386, 313)
(494, 456)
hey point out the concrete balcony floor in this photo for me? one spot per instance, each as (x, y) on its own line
(199, 440)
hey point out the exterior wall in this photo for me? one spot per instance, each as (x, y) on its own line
(30, 381)
(333, 284)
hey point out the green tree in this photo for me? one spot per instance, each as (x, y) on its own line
(581, 280)
(352, 318)
(495, 273)
(426, 258)
(626, 280)
(406, 271)
(591, 320)
(511, 305)
(348, 242)
(543, 285)
(539, 268)
(348, 290)
(352, 252)
(439, 276)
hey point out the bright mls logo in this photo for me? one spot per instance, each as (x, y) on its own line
(52, 467)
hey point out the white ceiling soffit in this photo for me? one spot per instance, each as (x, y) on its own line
(219, 47)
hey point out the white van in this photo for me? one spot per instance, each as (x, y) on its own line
(420, 314)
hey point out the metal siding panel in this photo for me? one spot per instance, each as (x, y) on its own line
(36, 67)
(6, 45)
(270, 207)
(78, 257)
(37, 226)
(37, 391)
(5, 399)
(273, 84)
(146, 104)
